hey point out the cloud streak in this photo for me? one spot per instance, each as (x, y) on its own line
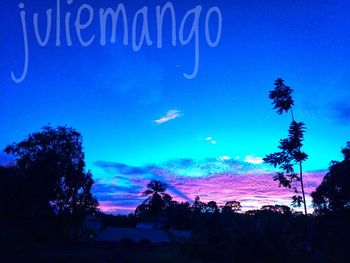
(170, 115)
(341, 112)
(251, 158)
(218, 179)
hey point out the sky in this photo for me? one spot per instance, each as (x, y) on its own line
(142, 119)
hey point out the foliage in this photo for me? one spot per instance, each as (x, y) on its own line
(290, 152)
(156, 201)
(232, 206)
(49, 180)
(281, 96)
(333, 194)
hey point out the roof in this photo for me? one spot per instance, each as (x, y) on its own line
(157, 236)
(117, 234)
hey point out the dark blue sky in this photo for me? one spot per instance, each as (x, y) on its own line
(113, 95)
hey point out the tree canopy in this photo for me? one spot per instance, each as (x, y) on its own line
(51, 166)
(333, 194)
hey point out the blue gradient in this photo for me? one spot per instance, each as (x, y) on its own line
(112, 95)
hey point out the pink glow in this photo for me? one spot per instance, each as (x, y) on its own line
(252, 189)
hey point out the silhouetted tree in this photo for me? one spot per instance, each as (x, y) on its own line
(333, 194)
(142, 211)
(155, 191)
(212, 207)
(291, 153)
(15, 203)
(282, 209)
(168, 200)
(232, 206)
(198, 206)
(51, 163)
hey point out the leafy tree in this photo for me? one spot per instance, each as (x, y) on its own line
(168, 200)
(51, 164)
(142, 211)
(333, 194)
(155, 191)
(290, 152)
(14, 203)
(232, 206)
(198, 206)
(212, 207)
(282, 209)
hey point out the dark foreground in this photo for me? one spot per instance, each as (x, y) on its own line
(92, 252)
(263, 237)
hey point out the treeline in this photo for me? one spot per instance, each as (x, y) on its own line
(273, 233)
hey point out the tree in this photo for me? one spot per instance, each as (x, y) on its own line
(333, 194)
(198, 206)
(155, 191)
(143, 210)
(14, 203)
(232, 206)
(212, 207)
(282, 209)
(51, 163)
(291, 153)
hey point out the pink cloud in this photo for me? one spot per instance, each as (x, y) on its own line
(109, 207)
(252, 188)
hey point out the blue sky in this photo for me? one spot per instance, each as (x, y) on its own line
(113, 95)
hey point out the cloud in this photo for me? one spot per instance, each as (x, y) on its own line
(141, 81)
(341, 112)
(221, 179)
(210, 140)
(253, 159)
(140, 176)
(122, 168)
(224, 158)
(170, 115)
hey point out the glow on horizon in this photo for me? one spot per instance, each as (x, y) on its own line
(250, 184)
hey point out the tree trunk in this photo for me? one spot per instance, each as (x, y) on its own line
(302, 186)
(300, 171)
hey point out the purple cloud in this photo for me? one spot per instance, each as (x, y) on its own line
(211, 179)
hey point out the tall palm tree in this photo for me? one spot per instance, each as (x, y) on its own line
(291, 147)
(155, 190)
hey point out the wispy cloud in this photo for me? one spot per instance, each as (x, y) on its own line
(251, 158)
(221, 179)
(210, 140)
(341, 112)
(224, 158)
(170, 115)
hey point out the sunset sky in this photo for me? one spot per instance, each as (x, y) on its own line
(141, 119)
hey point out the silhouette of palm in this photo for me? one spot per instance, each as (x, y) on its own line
(155, 188)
